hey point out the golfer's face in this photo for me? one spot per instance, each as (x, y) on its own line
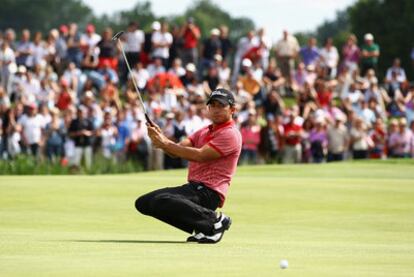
(219, 113)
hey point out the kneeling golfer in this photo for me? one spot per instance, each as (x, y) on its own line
(212, 152)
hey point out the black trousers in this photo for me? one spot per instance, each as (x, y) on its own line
(189, 207)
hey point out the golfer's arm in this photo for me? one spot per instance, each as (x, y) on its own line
(185, 151)
(185, 142)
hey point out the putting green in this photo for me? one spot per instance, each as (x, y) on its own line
(347, 219)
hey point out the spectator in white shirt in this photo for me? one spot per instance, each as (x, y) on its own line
(134, 39)
(32, 125)
(156, 67)
(7, 61)
(329, 58)
(161, 42)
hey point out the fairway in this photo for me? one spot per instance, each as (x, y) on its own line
(348, 219)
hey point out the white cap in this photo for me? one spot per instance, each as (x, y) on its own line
(369, 36)
(170, 115)
(310, 67)
(21, 69)
(340, 117)
(190, 67)
(89, 94)
(320, 120)
(247, 63)
(215, 32)
(156, 25)
(218, 57)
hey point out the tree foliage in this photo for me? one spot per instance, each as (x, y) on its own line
(391, 24)
(42, 15)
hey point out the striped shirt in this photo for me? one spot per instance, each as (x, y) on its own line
(216, 174)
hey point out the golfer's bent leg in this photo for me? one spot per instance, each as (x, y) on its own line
(177, 207)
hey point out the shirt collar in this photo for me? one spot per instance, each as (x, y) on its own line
(213, 128)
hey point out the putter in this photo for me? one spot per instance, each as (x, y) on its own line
(116, 38)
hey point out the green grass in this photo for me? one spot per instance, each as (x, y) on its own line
(350, 219)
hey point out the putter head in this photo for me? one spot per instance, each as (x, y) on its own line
(117, 35)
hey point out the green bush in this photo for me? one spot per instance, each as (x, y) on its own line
(28, 165)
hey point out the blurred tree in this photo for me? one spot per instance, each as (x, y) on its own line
(42, 15)
(140, 13)
(208, 15)
(391, 23)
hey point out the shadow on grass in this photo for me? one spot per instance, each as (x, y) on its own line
(131, 241)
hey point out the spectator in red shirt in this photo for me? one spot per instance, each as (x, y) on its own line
(250, 132)
(190, 34)
(292, 138)
(212, 152)
(65, 97)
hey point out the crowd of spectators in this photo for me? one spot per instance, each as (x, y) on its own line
(68, 97)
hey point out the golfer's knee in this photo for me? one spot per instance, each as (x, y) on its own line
(142, 204)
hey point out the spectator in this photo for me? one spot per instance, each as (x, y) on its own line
(329, 58)
(190, 34)
(226, 44)
(310, 53)
(360, 140)
(7, 62)
(250, 132)
(265, 44)
(32, 125)
(138, 148)
(161, 42)
(54, 137)
(156, 67)
(74, 53)
(243, 46)
(287, 50)
(351, 54)
(81, 130)
(292, 134)
(370, 54)
(24, 50)
(211, 47)
(108, 133)
(338, 139)
(176, 68)
(395, 75)
(318, 140)
(273, 78)
(141, 76)
(400, 141)
(108, 52)
(379, 138)
(39, 54)
(134, 42)
(273, 104)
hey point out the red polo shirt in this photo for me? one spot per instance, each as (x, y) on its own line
(217, 174)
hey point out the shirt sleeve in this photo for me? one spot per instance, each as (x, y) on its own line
(226, 142)
(194, 137)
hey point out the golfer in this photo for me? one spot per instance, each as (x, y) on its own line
(212, 152)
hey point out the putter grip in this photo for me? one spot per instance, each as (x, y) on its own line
(149, 120)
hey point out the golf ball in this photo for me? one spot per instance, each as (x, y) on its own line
(284, 264)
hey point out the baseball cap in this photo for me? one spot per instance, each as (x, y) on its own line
(156, 25)
(369, 36)
(64, 28)
(90, 28)
(190, 67)
(222, 95)
(215, 32)
(247, 62)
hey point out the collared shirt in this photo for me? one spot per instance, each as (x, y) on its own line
(216, 174)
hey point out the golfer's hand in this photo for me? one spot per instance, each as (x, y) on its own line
(158, 139)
